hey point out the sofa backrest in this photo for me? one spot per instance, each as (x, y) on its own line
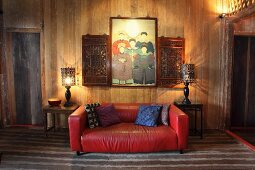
(127, 111)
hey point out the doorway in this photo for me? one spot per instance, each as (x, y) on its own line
(24, 81)
(239, 79)
(243, 89)
(243, 84)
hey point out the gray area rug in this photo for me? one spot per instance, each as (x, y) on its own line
(30, 149)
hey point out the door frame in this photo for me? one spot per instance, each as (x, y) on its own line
(226, 63)
(10, 115)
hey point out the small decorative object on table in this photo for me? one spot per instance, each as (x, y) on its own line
(54, 101)
(188, 76)
(68, 80)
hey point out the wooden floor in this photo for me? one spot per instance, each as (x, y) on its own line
(30, 149)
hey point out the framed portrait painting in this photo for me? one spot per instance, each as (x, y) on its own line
(133, 51)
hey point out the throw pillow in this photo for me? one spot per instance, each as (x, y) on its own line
(107, 115)
(164, 115)
(92, 117)
(148, 115)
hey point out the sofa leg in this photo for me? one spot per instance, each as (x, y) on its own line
(181, 151)
(78, 153)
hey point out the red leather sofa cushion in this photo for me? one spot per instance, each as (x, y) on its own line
(127, 137)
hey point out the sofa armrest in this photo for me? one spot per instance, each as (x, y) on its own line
(179, 121)
(77, 123)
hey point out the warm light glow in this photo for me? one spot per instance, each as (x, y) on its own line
(222, 7)
(132, 28)
(68, 81)
(68, 76)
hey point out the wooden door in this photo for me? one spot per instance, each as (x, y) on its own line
(239, 80)
(250, 122)
(243, 85)
(25, 50)
(1, 68)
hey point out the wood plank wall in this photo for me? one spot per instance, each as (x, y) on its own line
(202, 34)
(65, 21)
(22, 13)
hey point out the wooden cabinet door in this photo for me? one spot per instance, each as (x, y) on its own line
(170, 59)
(95, 60)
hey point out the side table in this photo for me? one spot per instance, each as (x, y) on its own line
(54, 110)
(197, 107)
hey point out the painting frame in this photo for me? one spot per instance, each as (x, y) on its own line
(134, 51)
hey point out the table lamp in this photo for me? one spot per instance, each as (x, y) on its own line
(68, 80)
(188, 76)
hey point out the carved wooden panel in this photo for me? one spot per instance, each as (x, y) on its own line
(95, 60)
(170, 59)
(236, 6)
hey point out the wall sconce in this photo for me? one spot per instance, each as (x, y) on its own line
(222, 15)
(188, 76)
(68, 80)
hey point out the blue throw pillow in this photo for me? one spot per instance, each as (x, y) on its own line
(148, 115)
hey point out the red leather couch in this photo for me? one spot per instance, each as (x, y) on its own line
(127, 137)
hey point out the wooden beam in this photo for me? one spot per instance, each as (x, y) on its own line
(247, 12)
(244, 33)
(31, 30)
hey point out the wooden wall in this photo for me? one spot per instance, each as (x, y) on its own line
(92, 17)
(202, 32)
(22, 13)
(65, 21)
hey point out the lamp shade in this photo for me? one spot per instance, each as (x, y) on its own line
(187, 71)
(68, 76)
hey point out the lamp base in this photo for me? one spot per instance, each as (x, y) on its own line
(186, 101)
(68, 96)
(68, 104)
(186, 93)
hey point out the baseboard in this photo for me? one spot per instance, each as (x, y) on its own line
(241, 140)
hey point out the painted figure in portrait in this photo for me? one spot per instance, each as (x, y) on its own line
(144, 41)
(132, 50)
(121, 40)
(122, 64)
(144, 67)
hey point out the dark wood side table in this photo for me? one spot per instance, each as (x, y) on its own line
(54, 110)
(196, 107)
